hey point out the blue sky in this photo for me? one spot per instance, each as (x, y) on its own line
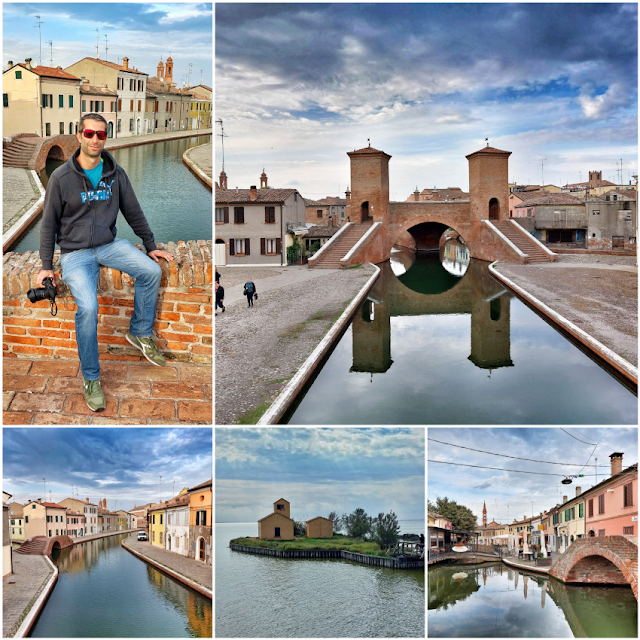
(509, 495)
(140, 31)
(319, 471)
(122, 464)
(299, 85)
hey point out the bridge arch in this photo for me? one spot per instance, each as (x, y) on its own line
(58, 542)
(601, 560)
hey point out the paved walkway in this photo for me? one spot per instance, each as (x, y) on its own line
(202, 156)
(31, 574)
(106, 534)
(19, 193)
(47, 392)
(114, 143)
(192, 569)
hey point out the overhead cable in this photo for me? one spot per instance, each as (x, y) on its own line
(578, 439)
(539, 473)
(564, 464)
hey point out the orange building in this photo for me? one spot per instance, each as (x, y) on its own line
(277, 525)
(200, 516)
(319, 527)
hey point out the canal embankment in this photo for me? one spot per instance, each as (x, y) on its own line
(199, 160)
(324, 554)
(260, 349)
(24, 593)
(592, 299)
(192, 573)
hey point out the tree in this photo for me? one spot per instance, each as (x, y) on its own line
(461, 517)
(357, 524)
(337, 521)
(385, 529)
(299, 528)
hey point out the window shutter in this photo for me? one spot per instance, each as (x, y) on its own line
(246, 247)
(266, 214)
(232, 247)
(278, 245)
(226, 214)
(262, 252)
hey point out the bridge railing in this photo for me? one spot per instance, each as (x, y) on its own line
(497, 550)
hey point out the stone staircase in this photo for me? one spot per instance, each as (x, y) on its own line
(520, 238)
(35, 546)
(18, 153)
(330, 258)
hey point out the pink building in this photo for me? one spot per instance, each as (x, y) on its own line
(612, 505)
(76, 524)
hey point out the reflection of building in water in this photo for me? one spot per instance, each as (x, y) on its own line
(199, 615)
(477, 294)
(455, 257)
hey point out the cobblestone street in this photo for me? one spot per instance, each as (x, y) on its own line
(19, 192)
(30, 576)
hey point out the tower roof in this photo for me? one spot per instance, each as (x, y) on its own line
(367, 151)
(489, 151)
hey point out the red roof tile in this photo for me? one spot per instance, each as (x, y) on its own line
(540, 199)
(113, 65)
(52, 505)
(489, 150)
(243, 196)
(366, 151)
(50, 72)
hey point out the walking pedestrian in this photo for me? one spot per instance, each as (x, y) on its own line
(249, 291)
(220, 298)
(217, 276)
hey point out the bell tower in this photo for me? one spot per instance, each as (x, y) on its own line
(160, 71)
(484, 515)
(369, 186)
(169, 69)
(489, 184)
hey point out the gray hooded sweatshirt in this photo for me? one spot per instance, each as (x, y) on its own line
(77, 216)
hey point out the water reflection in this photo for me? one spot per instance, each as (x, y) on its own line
(508, 602)
(425, 338)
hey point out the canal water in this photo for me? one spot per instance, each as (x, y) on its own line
(493, 600)
(176, 204)
(105, 591)
(440, 341)
(267, 597)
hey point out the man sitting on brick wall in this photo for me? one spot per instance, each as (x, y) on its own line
(80, 210)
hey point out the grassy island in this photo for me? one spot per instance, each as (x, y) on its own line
(302, 543)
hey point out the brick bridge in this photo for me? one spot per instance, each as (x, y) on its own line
(601, 560)
(43, 545)
(377, 224)
(31, 152)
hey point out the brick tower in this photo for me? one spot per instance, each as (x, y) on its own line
(484, 515)
(369, 185)
(489, 184)
(160, 69)
(168, 70)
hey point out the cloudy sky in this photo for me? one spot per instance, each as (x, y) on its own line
(509, 495)
(299, 85)
(122, 464)
(319, 471)
(140, 31)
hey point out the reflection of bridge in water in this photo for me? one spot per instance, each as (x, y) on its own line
(440, 293)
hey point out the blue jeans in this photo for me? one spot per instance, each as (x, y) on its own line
(80, 270)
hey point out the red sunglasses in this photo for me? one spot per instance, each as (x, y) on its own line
(89, 133)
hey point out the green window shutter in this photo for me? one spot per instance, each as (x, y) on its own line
(18, 75)
(581, 510)
(61, 102)
(5, 99)
(573, 513)
(84, 105)
(44, 99)
(70, 102)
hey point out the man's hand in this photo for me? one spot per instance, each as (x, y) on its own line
(45, 274)
(157, 253)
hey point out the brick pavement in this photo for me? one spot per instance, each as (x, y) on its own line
(50, 392)
(19, 192)
(193, 569)
(31, 574)
(203, 157)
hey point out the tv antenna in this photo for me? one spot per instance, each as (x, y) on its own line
(40, 35)
(200, 76)
(106, 47)
(189, 76)
(223, 135)
(44, 482)
(98, 44)
(51, 52)
(542, 161)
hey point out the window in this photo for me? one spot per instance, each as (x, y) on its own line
(62, 128)
(153, 536)
(119, 107)
(201, 518)
(596, 212)
(608, 198)
(319, 212)
(617, 242)
(280, 507)
(627, 531)
(238, 215)
(277, 533)
(161, 521)
(165, 124)
(57, 531)
(270, 247)
(222, 214)
(270, 215)
(555, 518)
(130, 124)
(49, 532)
(45, 100)
(177, 543)
(600, 532)
(154, 518)
(591, 508)
(632, 241)
(139, 105)
(628, 495)
(70, 102)
(119, 125)
(18, 75)
(13, 522)
(5, 99)
(71, 128)
(573, 513)
(131, 85)
(26, 519)
(131, 105)
(61, 102)
(601, 503)
(581, 510)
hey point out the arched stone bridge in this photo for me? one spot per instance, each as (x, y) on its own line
(601, 560)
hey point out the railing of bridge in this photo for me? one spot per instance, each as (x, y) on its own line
(435, 553)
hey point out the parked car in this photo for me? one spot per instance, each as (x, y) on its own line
(142, 535)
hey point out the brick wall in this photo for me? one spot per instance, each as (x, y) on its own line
(183, 315)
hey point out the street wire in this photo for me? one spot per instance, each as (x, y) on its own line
(564, 464)
(578, 439)
(538, 473)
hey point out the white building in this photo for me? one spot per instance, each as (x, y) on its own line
(177, 527)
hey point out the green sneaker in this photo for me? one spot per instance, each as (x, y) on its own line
(94, 396)
(148, 348)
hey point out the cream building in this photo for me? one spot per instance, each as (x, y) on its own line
(7, 559)
(45, 519)
(17, 521)
(40, 100)
(89, 509)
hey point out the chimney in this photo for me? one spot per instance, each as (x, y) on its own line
(616, 463)
(578, 491)
(10, 64)
(125, 63)
(253, 193)
(87, 500)
(564, 499)
(27, 63)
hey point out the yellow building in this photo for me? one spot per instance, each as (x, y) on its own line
(17, 522)
(319, 527)
(277, 525)
(40, 100)
(201, 113)
(156, 526)
(7, 559)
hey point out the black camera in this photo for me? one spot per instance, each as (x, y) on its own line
(48, 292)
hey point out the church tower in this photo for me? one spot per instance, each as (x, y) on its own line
(169, 69)
(160, 71)
(484, 515)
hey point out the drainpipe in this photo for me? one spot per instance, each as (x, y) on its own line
(283, 249)
(40, 105)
